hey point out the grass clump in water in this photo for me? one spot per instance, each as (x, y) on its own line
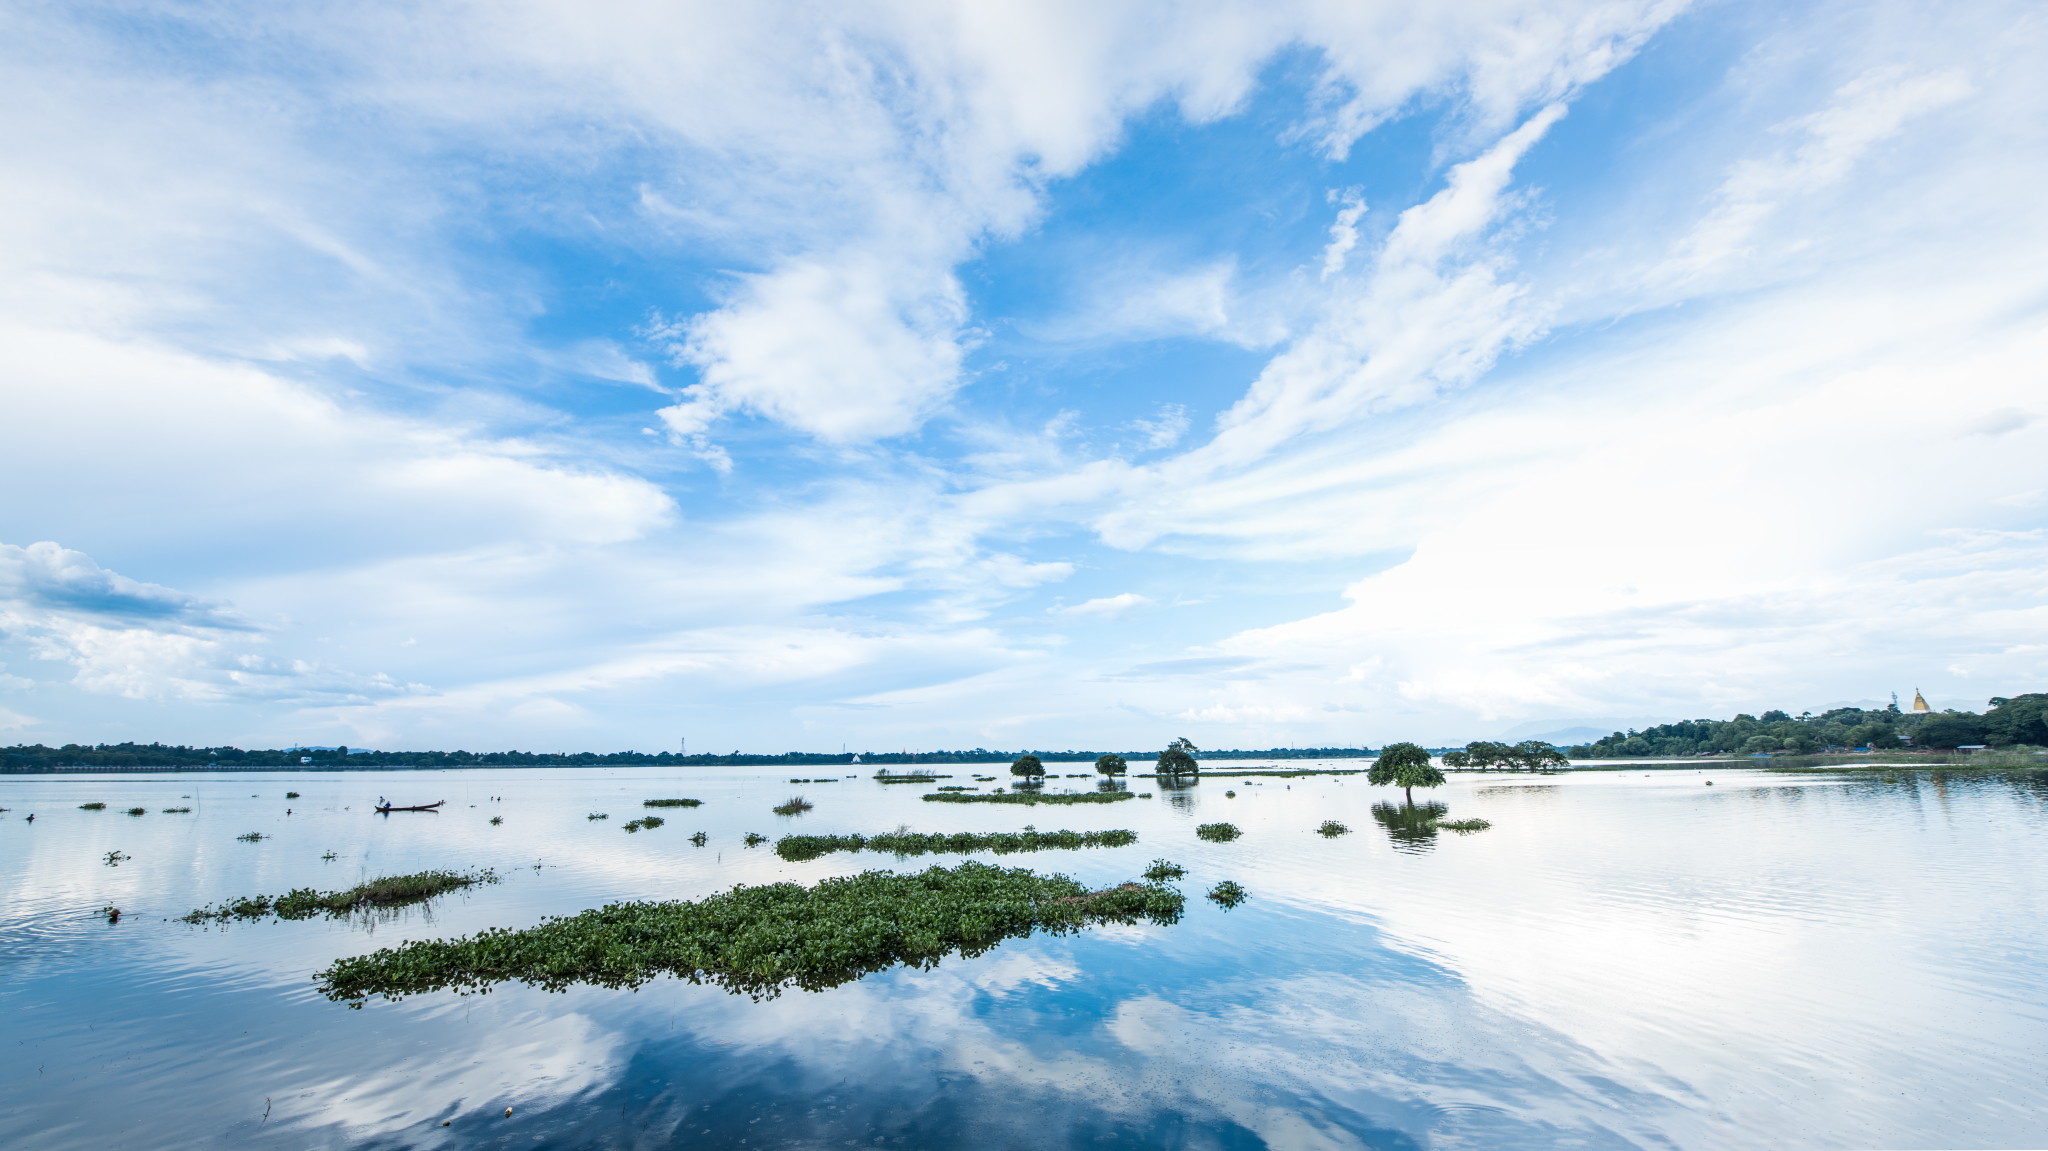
(650, 822)
(755, 839)
(1218, 832)
(177, 811)
(794, 805)
(114, 858)
(672, 803)
(291, 795)
(252, 837)
(137, 811)
(1027, 797)
(1161, 871)
(760, 941)
(92, 807)
(378, 894)
(801, 847)
(1463, 826)
(598, 815)
(700, 839)
(496, 820)
(1331, 829)
(1229, 894)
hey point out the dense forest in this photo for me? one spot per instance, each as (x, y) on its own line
(36, 757)
(2011, 722)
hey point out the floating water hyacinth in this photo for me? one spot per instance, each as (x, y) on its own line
(672, 803)
(759, 941)
(800, 847)
(1229, 894)
(305, 903)
(1028, 798)
(1161, 870)
(1218, 832)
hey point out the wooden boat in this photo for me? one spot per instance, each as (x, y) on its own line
(387, 808)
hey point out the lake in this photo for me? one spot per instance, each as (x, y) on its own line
(1627, 958)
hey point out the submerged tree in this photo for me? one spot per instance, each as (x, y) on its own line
(1412, 826)
(1179, 758)
(1111, 764)
(1027, 766)
(1406, 766)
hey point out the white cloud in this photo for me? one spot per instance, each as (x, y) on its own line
(1165, 431)
(1343, 233)
(844, 350)
(144, 641)
(1106, 607)
(1864, 112)
(1139, 300)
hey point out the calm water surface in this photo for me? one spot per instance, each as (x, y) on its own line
(1627, 959)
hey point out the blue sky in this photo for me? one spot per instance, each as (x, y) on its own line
(927, 375)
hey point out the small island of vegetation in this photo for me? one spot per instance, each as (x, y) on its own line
(390, 892)
(903, 843)
(760, 941)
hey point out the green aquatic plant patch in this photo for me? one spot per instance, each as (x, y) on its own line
(755, 839)
(1161, 871)
(800, 847)
(92, 807)
(1218, 832)
(177, 811)
(650, 822)
(794, 805)
(1027, 797)
(759, 941)
(1267, 774)
(377, 894)
(1332, 829)
(252, 837)
(672, 803)
(1463, 826)
(137, 811)
(1229, 894)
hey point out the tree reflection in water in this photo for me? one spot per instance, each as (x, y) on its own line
(1411, 825)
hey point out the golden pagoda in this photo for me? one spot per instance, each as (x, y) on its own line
(1919, 704)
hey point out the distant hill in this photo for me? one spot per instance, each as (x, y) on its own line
(1565, 732)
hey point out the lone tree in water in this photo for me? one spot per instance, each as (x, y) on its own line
(1111, 764)
(1179, 758)
(1406, 766)
(1027, 765)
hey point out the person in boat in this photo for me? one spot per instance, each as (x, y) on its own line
(383, 802)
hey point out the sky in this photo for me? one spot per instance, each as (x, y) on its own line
(1056, 375)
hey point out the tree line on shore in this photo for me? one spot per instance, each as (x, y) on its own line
(2014, 721)
(37, 757)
